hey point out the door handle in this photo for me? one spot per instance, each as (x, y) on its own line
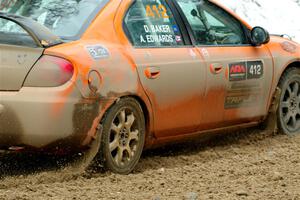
(216, 68)
(152, 72)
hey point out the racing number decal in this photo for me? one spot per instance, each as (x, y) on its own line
(241, 71)
(157, 11)
(241, 93)
(255, 69)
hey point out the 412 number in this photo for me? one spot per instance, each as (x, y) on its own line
(157, 11)
(255, 70)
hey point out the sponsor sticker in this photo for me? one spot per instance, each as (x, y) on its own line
(243, 94)
(238, 71)
(289, 47)
(241, 71)
(98, 52)
(178, 38)
(175, 29)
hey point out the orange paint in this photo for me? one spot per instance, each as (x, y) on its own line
(185, 96)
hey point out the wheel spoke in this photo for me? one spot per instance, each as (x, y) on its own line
(289, 91)
(134, 135)
(115, 128)
(287, 117)
(130, 153)
(294, 121)
(296, 88)
(122, 117)
(284, 104)
(130, 121)
(113, 145)
(119, 156)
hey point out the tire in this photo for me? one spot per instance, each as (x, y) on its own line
(123, 136)
(288, 113)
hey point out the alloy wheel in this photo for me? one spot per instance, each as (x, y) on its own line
(124, 137)
(290, 106)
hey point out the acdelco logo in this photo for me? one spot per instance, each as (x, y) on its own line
(238, 69)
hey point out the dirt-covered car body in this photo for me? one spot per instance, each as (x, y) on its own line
(185, 88)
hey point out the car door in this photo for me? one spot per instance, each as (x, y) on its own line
(171, 72)
(239, 75)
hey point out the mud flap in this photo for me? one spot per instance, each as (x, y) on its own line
(88, 159)
(271, 121)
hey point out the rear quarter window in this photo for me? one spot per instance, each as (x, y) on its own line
(13, 34)
(67, 19)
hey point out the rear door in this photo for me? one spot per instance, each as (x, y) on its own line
(22, 42)
(171, 71)
(239, 75)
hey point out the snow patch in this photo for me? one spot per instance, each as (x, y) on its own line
(278, 17)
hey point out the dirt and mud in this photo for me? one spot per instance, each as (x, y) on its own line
(251, 164)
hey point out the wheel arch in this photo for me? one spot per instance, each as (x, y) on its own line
(288, 70)
(146, 111)
(292, 64)
(279, 72)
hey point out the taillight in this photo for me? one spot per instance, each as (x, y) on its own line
(49, 71)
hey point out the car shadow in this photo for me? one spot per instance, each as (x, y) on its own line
(16, 164)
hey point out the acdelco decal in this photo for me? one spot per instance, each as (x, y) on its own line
(237, 71)
(241, 71)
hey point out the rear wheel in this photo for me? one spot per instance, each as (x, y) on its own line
(123, 136)
(289, 106)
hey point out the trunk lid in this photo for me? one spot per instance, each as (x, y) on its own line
(22, 43)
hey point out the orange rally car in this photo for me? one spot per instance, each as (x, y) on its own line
(132, 74)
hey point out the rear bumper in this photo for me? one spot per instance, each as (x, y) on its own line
(46, 118)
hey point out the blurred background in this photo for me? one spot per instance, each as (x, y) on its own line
(278, 17)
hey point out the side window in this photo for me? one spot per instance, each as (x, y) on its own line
(13, 34)
(150, 23)
(212, 25)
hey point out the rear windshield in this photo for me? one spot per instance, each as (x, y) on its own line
(65, 18)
